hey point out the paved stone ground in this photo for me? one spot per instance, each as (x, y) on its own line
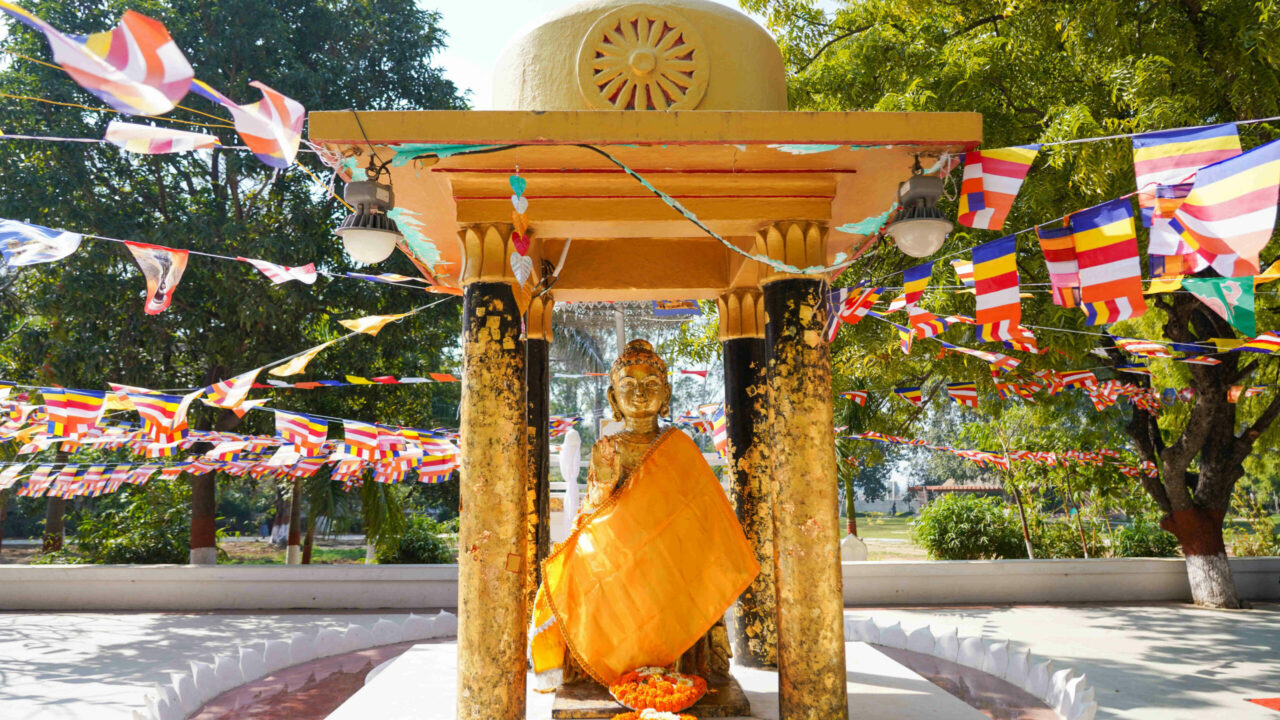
(1149, 661)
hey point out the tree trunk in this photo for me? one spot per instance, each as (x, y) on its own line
(55, 511)
(293, 553)
(204, 546)
(309, 541)
(1022, 514)
(851, 523)
(4, 511)
(1200, 533)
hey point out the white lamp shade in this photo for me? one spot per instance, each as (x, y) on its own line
(369, 247)
(919, 237)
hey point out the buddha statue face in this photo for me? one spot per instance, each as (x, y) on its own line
(638, 384)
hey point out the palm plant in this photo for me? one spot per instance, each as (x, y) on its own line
(382, 509)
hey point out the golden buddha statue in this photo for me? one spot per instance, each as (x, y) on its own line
(656, 556)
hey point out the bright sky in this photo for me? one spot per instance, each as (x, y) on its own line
(480, 29)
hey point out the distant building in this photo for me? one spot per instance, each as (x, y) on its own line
(926, 493)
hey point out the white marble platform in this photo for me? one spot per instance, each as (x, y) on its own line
(422, 685)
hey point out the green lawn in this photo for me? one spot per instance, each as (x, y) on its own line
(882, 527)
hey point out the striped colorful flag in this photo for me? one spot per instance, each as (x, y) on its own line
(370, 324)
(1137, 368)
(164, 417)
(271, 127)
(1173, 156)
(135, 67)
(72, 413)
(848, 309)
(1230, 213)
(912, 395)
(26, 244)
(296, 365)
(280, 274)
(1077, 378)
(1267, 342)
(1059, 250)
(1168, 253)
(914, 282)
(990, 184)
(360, 440)
(963, 393)
(1146, 348)
(151, 140)
(720, 432)
(1202, 360)
(964, 272)
(836, 298)
(1110, 272)
(858, 396)
(559, 425)
(995, 272)
(307, 434)
(231, 393)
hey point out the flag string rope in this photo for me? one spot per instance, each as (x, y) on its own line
(111, 110)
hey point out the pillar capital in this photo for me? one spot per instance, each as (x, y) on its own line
(798, 243)
(741, 314)
(537, 323)
(487, 250)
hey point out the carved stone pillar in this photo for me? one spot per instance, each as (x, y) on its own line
(492, 537)
(811, 657)
(755, 637)
(538, 417)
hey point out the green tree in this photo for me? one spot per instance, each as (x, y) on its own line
(1044, 72)
(79, 322)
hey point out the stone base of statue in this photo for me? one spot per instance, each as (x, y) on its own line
(724, 698)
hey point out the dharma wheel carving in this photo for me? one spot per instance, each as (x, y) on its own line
(642, 57)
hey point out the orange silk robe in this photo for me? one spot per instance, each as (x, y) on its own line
(647, 573)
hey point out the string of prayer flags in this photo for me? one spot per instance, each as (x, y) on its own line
(857, 396)
(162, 267)
(1139, 368)
(304, 432)
(370, 324)
(997, 361)
(296, 365)
(164, 417)
(963, 393)
(995, 272)
(912, 395)
(850, 311)
(1110, 273)
(1267, 342)
(1059, 249)
(27, 244)
(1235, 392)
(231, 393)
(135, 67)
(271, 127)
(151, 140)
(991, 181)
(71, 413)
(1171, 156)
(1230, 213)
(280, 274)
(1023, 340)
(835, 305)
(559, 425)
(1146, 348)
(1230, 298)
(964, 272)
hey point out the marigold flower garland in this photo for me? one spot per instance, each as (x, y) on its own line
(651, 715)
(659, 689)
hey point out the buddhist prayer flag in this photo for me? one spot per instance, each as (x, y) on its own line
(1145, 348)
(151, 140)
(995, 272)
(1168, 253)
(164, 417)
(162, 267)
(910, 394)
(135, 67)
(1107, 252)
(360, 440)
(914, 281)
(1173, 156)
(852, 311)
(271, 127)
(1229, 215)
(1230, 298)
(306, 433)
(963, 393)
(26, 244)
(72, 413)
(280, 274)
(561, 425)
(231, 393)
(858, 396)
(1267, 342)
(1059, 250)
(297, 364)
(964, 272)
(370, 325)
(990, 184)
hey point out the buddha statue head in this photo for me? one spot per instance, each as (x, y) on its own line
(638, 384)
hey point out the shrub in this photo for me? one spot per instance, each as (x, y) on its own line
(1260, 536)
(968, 527)
(139, 525)
(1055, 539)
(420, 544)
(1144, 538)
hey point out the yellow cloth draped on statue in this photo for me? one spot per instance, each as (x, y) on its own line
(645, 575)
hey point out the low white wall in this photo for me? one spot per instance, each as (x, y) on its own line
(922, 582)
(413, 587)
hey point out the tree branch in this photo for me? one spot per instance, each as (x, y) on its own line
(827, 45)
(974, 26)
